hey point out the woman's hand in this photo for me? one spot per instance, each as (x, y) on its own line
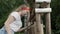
(24, 28)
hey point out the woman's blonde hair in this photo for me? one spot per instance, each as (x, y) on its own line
(19, 8)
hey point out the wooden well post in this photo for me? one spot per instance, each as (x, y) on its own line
(43, 8)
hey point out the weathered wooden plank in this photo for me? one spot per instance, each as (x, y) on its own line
(39, 25)
(48, 1)
(48, 23)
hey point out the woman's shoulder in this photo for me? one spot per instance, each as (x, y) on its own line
(15, 14)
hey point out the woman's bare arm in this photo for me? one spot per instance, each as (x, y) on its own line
(25, 28)
(7, 24)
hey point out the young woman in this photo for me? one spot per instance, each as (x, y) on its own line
(13, 22)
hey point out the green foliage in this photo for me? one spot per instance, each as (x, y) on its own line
(6, 6)
(55, 16)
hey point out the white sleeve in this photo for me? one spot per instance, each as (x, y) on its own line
(15, 15)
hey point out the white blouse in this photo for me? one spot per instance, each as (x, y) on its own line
(17, 24)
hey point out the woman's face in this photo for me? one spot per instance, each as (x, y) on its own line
(25, 12)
